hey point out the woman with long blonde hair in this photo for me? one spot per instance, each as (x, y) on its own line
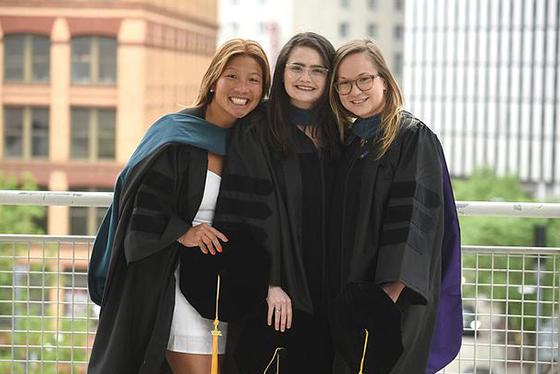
(162, 213)
(394, 236)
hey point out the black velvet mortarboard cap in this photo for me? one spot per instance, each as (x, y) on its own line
(363, 306)
(244, 268)
(258, 342)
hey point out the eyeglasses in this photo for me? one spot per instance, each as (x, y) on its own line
(314, 71)
(364, 83)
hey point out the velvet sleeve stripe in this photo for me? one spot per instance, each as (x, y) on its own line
(245, 208)
(409, 215)
(159, 182)
(419, 192)
(414, 239)
(149, 223)
(239, 183)
(148, 200)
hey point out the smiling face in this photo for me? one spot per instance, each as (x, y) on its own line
(237, 92)
(306, 85)
(366, 103)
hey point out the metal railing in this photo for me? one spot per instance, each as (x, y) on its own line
(47, 321)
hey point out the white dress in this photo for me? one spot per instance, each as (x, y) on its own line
(190, 332)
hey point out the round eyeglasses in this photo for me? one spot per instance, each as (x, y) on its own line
(314, 71)
(364, 83)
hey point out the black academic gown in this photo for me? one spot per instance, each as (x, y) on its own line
(157, 205)
(387, 226)
(293, 232)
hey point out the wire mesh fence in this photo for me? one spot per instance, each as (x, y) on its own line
(510, 311)
(47, 321)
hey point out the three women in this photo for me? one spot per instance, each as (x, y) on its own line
(361, 237)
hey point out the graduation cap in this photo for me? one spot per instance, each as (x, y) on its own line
(260, 349)
(366, 328)
(244, 268)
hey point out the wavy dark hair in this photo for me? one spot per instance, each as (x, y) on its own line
(280, 131)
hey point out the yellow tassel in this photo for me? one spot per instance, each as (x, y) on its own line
(276, 356)
(364, 353)
(215, 334)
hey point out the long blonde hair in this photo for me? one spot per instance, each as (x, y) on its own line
(228, 50)
(390, 117)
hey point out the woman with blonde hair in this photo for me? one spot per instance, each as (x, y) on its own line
(394, 237)
(162, 212)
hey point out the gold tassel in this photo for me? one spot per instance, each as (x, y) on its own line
(364, 353)
(276, 356)
(215, 334)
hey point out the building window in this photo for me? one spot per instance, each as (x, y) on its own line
(86, 220)
(26, 132)
(398, 32)
(372, 30)
(399, 5)
(372, 4)
(92, 134)
(345, 4)
(398, 64)
(94, 60)
(343, 29)
(26, 58)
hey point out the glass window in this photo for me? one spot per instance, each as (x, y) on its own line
(343, 29)
(107, 60)
(106, 134)
(26, 132)
(372, 30)
(79, 220)
(398, 64)
(86, 220)
(13, 132)
(94, 60)
(399, 5)
(372, 4)
(79, 138)
(13, 57)
(41, 59)
(398, 32)
(26, 58)
(40, 133)
(92, 133)
(345, 3)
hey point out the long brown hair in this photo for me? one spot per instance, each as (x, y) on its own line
(393, 106)
(228, 50)
(280, 131)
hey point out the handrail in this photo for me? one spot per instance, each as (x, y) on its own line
(103, 199)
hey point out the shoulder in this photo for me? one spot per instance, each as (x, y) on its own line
(413, 126)
(252, 123)
(414, 131)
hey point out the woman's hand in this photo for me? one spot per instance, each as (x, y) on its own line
(393, 289)
(204, 236)
(279, 306)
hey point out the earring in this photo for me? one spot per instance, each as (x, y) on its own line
(211, 90)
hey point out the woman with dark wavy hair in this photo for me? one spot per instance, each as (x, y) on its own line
(290, 147)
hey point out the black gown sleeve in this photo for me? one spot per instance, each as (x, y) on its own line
(411, 227)
(155, 222)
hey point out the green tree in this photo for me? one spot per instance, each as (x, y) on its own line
(20, 219)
